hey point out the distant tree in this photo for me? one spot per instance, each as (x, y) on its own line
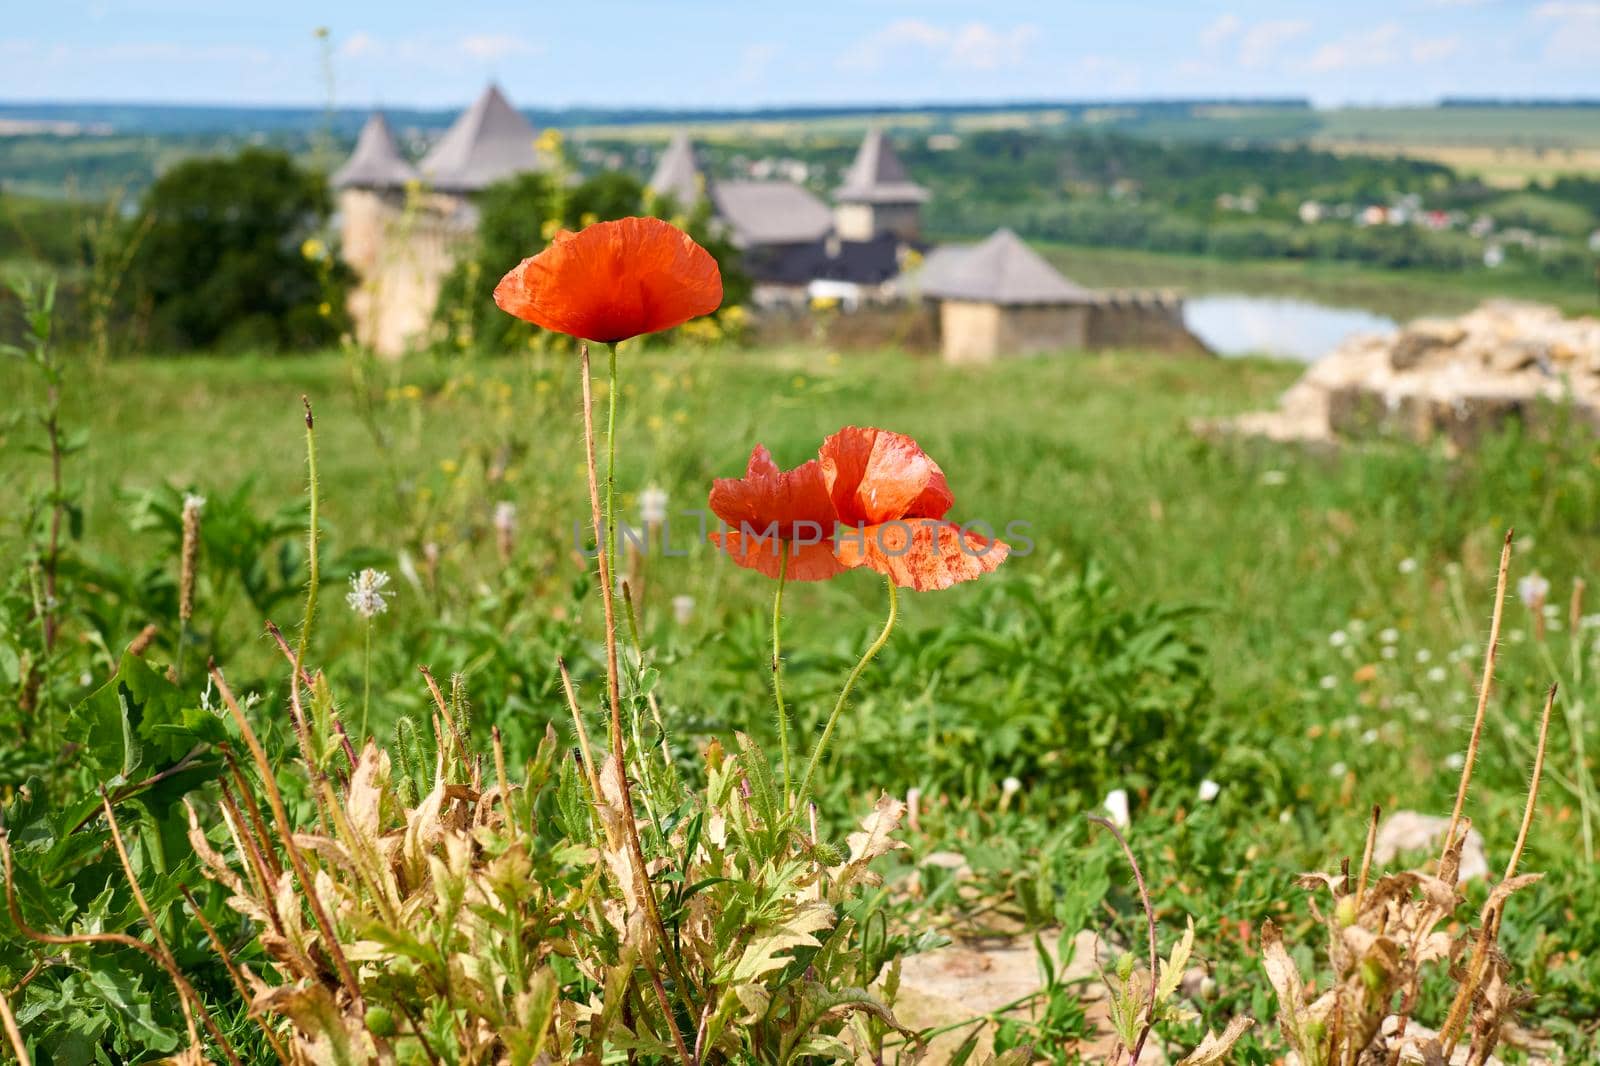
(228, 258)
(517, 218)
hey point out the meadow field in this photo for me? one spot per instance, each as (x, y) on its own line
(1255, 643)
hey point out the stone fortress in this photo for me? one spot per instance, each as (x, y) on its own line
(403, 227)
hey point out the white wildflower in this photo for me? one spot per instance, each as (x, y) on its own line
(1369, 737)
(505, 517)
(367, 596)
(1532, 590)
(682, 609)
(1423, 655)
(1274, 477)
(1408, 565)
(1391, 635)
(1010, 786)
(1389, 651)
(1455, 760)
(1209, 790)
(1436, 675)
(1284, 816)
(1117, 807)
(653, 505)
(1338, 769)
(1329, 681)
(1338, 638)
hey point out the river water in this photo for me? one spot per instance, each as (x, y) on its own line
(1287, 327)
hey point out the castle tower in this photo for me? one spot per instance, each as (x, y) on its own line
(678, 174)
(490, 142)
(878, 196)
(371, 187)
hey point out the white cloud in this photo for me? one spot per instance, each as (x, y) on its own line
(1260, 45)
(492, 46)
(1575, 36)
(1376, 47)
(1435, 49)
(754, 62)
(481, 48)
(974, 46)
(1220, 30)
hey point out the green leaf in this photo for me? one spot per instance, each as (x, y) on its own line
(140, 718)
(121, 991)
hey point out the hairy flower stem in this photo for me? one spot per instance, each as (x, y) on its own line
(777, 665)
(603, 520)
(850, 683)
(1483, 693)
(311, 540)
(366, 682)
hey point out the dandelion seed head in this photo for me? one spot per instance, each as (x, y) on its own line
(682, 609)
(653, 505)
(1117, 807)
(368, 596)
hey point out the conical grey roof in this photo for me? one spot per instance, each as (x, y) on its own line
(1001, 270)
(490, 142)
(878, 177)
(678, 173)
(376, 163)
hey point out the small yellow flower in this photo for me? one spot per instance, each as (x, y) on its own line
(313, 249)
(411, 392)
(588, 218)
(824, 303)
(325, 309)
(834, 359)
(549, 141)
(449, 466)
(799, 382)
(542, 386)
(680, 418)
(551, 227)
(655, 423)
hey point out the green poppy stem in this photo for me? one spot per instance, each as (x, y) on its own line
(850, 683)
(777, 665)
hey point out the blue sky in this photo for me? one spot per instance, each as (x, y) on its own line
(756, 52)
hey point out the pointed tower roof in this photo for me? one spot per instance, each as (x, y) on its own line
(678, 173)
(878, 177)
(376, 163)
(491, 141)
(1001, 270)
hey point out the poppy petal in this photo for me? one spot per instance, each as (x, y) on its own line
(807, 562)
(875, 475)
(924, 555)
(795, 501)
(614, 280)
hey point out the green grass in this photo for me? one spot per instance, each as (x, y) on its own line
(1278, 549)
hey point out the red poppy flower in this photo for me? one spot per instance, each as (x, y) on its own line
(893, 497)
(614, 280)
(774, 512)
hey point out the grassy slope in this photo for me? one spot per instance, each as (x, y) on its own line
(1282, 548)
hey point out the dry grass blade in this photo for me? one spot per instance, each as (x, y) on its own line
(286, 834)
(13, 1035)
(233, 972)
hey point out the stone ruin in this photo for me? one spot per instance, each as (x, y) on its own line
(1450, 378)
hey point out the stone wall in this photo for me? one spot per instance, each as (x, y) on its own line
(1149, 321)
(401, 252)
